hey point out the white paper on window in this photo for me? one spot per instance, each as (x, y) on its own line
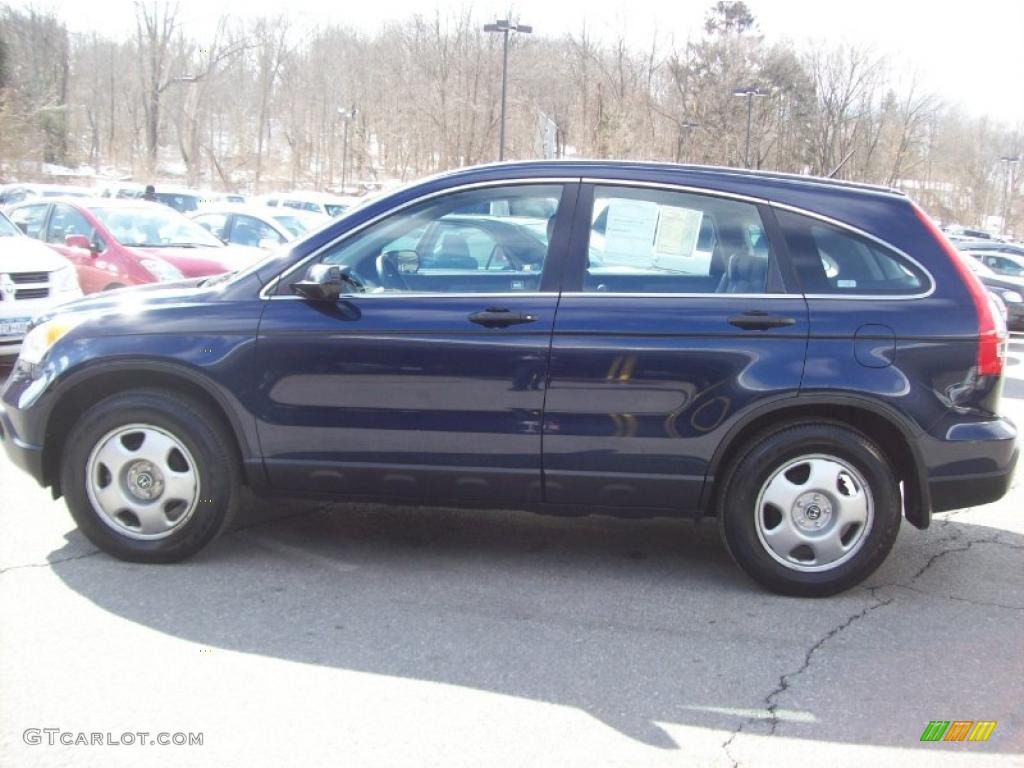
(629, 231)
(678, 230)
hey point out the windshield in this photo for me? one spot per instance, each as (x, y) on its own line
(977, 267)
(154, 228)
(179, 202)
(7, 229)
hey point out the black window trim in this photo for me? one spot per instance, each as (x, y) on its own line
(582, 189)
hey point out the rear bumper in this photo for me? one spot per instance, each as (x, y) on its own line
(972, 464)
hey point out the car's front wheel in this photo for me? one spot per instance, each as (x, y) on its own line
(810, 509)
(150, 476)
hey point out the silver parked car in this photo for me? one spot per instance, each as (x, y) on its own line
(258, 226)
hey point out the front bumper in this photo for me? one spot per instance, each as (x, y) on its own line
(22, 454)
(971, 464)
(22, 428)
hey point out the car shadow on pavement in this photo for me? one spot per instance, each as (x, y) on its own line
(638, 623)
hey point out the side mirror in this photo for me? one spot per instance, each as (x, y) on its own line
(79, 241)
(326, 282)
(269, 243)
(407, 262)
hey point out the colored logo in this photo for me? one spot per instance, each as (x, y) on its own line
(958, 730)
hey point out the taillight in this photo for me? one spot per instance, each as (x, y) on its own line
(991, 329)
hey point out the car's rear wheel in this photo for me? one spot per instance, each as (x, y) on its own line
(150, 476)
(810, 509)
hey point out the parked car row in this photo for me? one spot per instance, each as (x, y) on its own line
(312, 202)
(1000, 267)
(16, 193)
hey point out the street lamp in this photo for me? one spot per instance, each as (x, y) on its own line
(504, 26)
(347, 116)
(1007, 162)
(749, 92)
(684, 129)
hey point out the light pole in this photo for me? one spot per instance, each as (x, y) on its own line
(1007, 162)
(750, 92)
(347, 116)
(684, 130)
(504, 26)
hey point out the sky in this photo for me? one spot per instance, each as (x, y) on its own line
(970, 53)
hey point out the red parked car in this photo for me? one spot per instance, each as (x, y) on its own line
(117, 243)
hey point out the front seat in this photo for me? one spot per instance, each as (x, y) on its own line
(454, 253)
(746, 273)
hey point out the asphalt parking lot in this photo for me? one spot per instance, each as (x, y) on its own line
(358, 635)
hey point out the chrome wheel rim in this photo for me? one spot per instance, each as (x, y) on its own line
(142, 481)
(814, 513)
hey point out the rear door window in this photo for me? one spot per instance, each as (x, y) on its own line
(830, 260)
(659, 241)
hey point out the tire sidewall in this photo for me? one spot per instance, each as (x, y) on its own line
(215, 470)
(738, 511)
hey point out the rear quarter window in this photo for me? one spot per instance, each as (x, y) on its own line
(834, 261)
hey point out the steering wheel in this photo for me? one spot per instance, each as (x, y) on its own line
(388, 273)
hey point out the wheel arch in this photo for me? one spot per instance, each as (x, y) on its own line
(86, 387)
(893, 433)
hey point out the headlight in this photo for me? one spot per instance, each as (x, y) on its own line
(1011, 297)
(64, 280)
(161, 270)
(41, 339)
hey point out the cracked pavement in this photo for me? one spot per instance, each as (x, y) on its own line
(330, 634)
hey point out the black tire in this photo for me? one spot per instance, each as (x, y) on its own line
(198, 429)
(760, 459)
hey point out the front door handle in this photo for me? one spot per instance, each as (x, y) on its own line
(500, 317)
(760, 321)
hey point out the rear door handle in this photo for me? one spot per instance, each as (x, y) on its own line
(760, 321)
(500, 317)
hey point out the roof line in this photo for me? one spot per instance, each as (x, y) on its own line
(692, 168)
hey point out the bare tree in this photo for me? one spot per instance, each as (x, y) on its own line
(844, 79)
(259, 103)
(155, 25)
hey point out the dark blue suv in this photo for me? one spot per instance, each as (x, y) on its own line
(808, 360)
